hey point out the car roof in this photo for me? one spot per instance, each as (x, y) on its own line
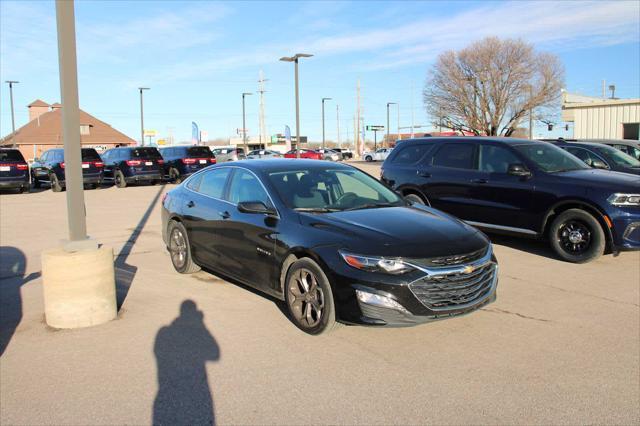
(495, 139)
(284, 164)
(583, 144)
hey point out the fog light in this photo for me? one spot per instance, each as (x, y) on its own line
(377, 300)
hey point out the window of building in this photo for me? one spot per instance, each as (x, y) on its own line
(84, 129)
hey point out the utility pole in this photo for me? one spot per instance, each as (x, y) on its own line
(244, 125)
(604, 91)
(357, 134)
(263, 126)
(412, 113)
(530, 112)
(338, 125)
(323, 99)
(295, 59)
(13, 120)
(399, 137)
(142, 116)
(387, 141)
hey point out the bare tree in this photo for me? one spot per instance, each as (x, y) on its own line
(489, 87)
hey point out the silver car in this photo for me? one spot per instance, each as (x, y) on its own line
(264, 153)
(330, 154)
(228, 154)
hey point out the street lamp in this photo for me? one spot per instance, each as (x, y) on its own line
(295, 59)
(389, 103)
(244, 127)
(323, 99)
(142, 115)
(13, 120)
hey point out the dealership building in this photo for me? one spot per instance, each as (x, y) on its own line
(44, 131)
(599, 118)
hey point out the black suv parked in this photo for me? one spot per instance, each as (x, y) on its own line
(14, 171)
(133, 165)
(602, 156)
(181, 161)
(522, 187)
(50, 168)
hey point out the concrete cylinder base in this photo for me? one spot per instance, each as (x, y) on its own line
(79, 287)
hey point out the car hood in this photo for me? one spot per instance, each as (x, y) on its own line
(412, 231)
(616, 181)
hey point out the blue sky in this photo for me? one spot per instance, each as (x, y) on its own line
(198, 57)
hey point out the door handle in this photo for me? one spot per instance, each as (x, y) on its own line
(191, 204)
(224, 215)
(423, 174)
(479, 181)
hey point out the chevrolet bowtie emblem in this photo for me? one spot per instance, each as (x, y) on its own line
(469, 269)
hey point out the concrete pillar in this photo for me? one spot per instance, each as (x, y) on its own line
(79, 287)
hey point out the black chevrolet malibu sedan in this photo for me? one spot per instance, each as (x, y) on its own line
(331, 241)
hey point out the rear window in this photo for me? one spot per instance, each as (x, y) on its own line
(198, 152)
(145, 153)
(11, 155)
(410, 154)
(90, 155)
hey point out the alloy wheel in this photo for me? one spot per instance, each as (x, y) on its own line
(574, 237)
(178, 248)
(306, 299)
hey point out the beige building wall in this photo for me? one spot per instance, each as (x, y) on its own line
(599, 118)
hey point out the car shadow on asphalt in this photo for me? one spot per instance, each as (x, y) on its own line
(13, 265)
(182, 350)
(527, 245)
(124, 271)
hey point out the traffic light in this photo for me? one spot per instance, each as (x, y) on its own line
(550, 127)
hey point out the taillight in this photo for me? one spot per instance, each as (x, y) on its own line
(189, 160)
(22, 167)
(62, 164)
(213, 160)
(98, 164)
(160, 161)
(133, 162)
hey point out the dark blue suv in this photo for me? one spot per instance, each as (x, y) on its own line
(49, 168)
(181, 161)
(133, 165)
(521, 187)
(14, 171)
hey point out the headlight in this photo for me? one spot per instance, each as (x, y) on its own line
(624, 199)
(376, 264)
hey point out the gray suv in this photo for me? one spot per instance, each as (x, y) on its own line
(228, 154)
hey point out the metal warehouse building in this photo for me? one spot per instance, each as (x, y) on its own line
(598, 118)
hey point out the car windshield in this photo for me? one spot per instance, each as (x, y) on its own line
(619, 157)
(549, 158)
(331, 190)
(11, 155)
(198, 152)
(145, 153)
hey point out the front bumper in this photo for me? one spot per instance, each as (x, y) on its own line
(626, 229)
(411, 295)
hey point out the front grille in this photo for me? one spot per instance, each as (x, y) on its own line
(455, 290)
(451, 260)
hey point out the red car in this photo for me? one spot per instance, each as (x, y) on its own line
(305, 153)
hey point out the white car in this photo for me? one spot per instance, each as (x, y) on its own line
(330, 154)
(263, 153)
(379, 155)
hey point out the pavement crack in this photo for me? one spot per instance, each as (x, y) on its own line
(504, 311)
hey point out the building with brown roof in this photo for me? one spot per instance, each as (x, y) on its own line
(44, 131)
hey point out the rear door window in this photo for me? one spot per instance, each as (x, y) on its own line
(213, 182)
(11, 155)
(496, 159)
(455, 155)
(246, 187)
(411, 154)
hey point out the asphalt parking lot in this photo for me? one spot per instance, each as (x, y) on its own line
(560, 345)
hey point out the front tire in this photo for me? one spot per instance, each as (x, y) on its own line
(576, 236)
(180, 249)
(309, 297)
(415, 199)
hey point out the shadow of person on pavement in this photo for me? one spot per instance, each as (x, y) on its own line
(13, 265)
(182, 350)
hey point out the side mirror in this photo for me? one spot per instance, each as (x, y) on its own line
(598, 164)
(517, 169)
(255, 207)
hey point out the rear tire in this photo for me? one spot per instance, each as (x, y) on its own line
(576, 236)
(34, 180)
(174, 175)
(119, 180)
(368, 158)
(309, 297)
(55, 183)
(25, 189)
(180, 249)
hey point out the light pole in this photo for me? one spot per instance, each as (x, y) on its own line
(13, 120)
(530, 113)
(244, 127)
(323, 99)
(142, 115)
(388, 103)
(295, 59)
